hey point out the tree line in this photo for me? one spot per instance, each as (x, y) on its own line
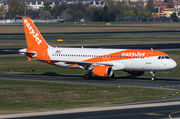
(109, 12)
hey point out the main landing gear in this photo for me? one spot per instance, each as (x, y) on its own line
(87, 76)
(153, 78)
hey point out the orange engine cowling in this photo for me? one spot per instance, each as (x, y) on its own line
(102, 71)
(136, 73)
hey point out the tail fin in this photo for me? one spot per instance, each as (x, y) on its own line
(34, 38)
(36, 45)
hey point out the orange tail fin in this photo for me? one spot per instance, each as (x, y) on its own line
(35, 42)
(34, 38)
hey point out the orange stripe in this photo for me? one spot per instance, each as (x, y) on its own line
(127, 54)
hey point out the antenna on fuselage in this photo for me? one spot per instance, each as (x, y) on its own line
(82, 47)
(151, 48)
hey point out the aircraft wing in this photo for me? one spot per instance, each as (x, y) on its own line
(80, 63)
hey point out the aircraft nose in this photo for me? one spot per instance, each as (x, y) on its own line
(173, 64)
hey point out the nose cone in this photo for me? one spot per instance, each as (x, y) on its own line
(172, 64)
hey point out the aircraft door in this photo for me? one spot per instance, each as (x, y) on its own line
(45, 54)
(148, 58)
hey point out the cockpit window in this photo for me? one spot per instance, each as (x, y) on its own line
(163, 57)
(167, 57)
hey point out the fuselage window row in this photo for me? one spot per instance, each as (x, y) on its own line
(127, 57)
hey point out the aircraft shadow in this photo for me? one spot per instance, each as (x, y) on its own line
(81, 77)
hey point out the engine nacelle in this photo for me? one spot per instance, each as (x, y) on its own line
(136, 73)
(102, 71)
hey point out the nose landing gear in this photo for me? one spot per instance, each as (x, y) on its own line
(153, 78)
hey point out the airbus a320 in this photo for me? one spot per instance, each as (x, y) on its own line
(99, 62)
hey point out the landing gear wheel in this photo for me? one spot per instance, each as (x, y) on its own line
(90, 76)
(153, 78)
(87, 76)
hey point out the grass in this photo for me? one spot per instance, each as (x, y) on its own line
(22, 44)
(24, 95)
(92, 27)
(20, 64)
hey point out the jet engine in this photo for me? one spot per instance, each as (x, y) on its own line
(102, 71)
(136, 73)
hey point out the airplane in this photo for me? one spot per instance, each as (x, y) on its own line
(97, 61)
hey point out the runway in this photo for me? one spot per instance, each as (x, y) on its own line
(97, 33)
(92, 39)
(162, 112)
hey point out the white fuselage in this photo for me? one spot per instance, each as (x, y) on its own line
(139, 62)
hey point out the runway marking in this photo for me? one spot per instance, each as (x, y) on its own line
(172, 114)
(154, 114)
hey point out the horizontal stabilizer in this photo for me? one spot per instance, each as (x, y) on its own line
(30, 54)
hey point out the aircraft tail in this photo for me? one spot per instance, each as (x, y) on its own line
(35, 42)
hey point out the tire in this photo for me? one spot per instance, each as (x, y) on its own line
(153, 78)
(86, 76)
(90, 76)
